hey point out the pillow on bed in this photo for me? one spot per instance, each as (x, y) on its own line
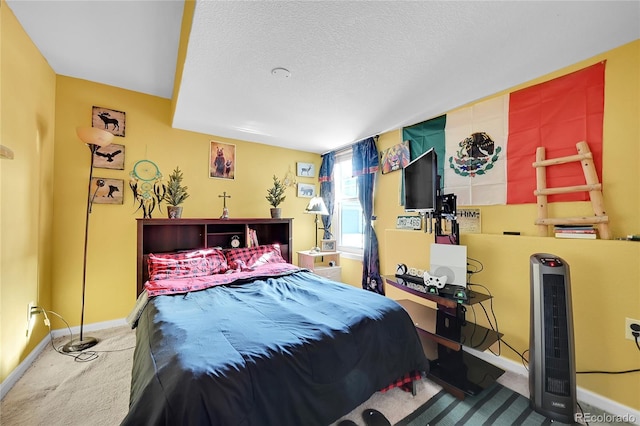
(250, 257)
(189, 264)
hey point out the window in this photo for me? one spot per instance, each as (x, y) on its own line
(348, 220)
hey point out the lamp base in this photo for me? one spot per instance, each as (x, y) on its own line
(315, 250)
(77, 345)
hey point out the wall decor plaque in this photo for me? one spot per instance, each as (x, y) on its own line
(409, 222)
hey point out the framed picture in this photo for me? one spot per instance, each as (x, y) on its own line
(222, 160)
(306, 169)
(109, 119)
(107, 191)
(306, 190)
(328, 245)
(109, 157)
(395, 158)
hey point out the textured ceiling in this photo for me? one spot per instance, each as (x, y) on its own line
(357, 68)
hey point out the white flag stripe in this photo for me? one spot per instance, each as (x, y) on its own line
(490, 186)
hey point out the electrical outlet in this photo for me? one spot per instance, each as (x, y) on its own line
(30, 307)
(627, 328)
(31, 310)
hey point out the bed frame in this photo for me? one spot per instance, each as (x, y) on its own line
(172, 235)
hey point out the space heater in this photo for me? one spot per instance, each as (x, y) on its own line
(552, 372)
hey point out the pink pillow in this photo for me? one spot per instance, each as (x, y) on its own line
(251, 257)
(189, 264)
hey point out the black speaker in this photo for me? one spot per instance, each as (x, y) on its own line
(552, 371)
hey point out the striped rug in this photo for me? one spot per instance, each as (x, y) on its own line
(496, 405)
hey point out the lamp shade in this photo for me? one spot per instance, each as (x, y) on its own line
(94, 136)
(316, 206)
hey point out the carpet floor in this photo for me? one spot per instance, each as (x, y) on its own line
(58, 389)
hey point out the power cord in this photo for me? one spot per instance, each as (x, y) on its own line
(582, 411)
(478, 267)
(82, 356)
(635, 370)
(77, 356)
(635, 331)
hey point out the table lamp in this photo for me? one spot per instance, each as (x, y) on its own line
(316, 206)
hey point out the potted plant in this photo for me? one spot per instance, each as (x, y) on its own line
(275, 196)
(176, 194)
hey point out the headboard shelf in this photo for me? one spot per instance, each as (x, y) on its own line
(172, 235)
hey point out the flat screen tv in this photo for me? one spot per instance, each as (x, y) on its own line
(421, 183)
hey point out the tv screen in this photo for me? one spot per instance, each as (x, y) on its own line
(421, 183)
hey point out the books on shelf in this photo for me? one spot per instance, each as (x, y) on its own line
(576, 231)
(253, 238)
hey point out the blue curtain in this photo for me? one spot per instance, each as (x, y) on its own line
(327, 190)
(365, 164)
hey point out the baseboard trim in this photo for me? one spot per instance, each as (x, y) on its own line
(90, 327)
(584, 395)
(17, 372)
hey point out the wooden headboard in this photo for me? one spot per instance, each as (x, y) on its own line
(174, 235)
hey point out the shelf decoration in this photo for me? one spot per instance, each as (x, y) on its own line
(147, 187)
(225, 210)
(109, 157)
(306, 190)
(409, 222)
(289, 179)
(275, 196)
(395, 157)
(107, 191)
(111, 120)
(175, 194)
(222, 160)
(306, 170)
(328, 245)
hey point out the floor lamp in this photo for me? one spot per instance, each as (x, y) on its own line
(316, 206)
(94, 138)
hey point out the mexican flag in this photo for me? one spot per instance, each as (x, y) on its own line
(485, 151)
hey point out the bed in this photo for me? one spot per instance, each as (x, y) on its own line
(241, 337)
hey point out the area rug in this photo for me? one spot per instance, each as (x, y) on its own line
(496, 405)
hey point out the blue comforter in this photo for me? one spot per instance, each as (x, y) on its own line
(290, 350)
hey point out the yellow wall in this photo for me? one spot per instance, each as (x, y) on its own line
(111, 263)
(44, 192)
(27, 84)
(42, 228)
(605, 275)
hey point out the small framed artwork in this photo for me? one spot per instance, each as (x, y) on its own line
(109, 157)
(222, 160)
(111, 120)
(107, 191)
(306, 169)
(306, 190)
(394, 158)
(328, 245)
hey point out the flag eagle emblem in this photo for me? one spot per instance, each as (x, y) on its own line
(476, 155)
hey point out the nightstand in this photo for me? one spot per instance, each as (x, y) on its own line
(319, 263)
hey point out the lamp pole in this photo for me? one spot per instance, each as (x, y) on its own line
(82, 343)
(94, 138)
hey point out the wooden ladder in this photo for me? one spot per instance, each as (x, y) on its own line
(593, 186)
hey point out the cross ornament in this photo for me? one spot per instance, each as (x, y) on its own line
(225, 211)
